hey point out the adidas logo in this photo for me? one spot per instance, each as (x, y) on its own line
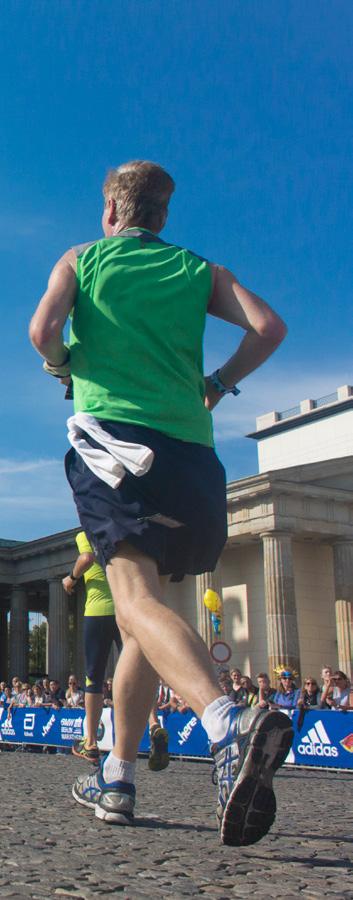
(317, 742)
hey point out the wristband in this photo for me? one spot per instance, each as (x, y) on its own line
(220, 387)
(72, 576)
(58, 371)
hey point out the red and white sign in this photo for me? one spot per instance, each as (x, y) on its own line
(220, 651)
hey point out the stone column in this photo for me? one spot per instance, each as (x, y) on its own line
(281, 613)
(19, 633)
(203, 582)
(58, 655)
(343, 575)
(4, 645)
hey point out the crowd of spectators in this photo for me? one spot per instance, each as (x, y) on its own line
(47, 692)
(334, 692)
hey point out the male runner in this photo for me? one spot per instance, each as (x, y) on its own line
(138, 309)
(99, 633)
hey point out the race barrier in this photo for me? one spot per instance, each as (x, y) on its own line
(321, 737)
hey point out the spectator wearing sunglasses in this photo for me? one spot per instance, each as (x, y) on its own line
(310, 693)
(337, 693)
(287, 695)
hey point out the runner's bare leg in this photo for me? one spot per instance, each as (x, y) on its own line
(134, 689)
(162, 642)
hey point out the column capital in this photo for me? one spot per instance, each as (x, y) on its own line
(276, 535)
(18, 588)
(342, 542)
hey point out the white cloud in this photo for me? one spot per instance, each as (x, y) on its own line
(35, 498)
(28, 226)
(15, 467)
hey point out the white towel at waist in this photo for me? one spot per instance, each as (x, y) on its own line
(113, 457)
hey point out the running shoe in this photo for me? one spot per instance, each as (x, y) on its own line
(114, 802)
(91, 754)
(256, 746)
(158, 758)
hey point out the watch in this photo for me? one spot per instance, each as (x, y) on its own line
(72, 576)
(220, 387)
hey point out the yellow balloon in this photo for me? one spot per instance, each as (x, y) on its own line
(212, 601)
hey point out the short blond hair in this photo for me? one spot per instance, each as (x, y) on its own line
(141, 190)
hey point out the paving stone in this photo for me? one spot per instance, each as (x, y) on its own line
(52, 847)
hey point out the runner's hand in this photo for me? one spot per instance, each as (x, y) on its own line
(212, 397)
(68, 585)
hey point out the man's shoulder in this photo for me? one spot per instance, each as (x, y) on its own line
(80, 249)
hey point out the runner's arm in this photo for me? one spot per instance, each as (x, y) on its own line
(83, 563)
(265, 330)
(47, 324)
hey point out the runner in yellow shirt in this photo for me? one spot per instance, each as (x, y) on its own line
(100, 631)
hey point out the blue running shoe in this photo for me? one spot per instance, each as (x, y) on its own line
(256, 746)
(112, 802)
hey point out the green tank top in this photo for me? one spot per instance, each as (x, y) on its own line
(137, 332)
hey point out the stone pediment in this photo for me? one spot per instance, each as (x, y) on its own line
(332, 473)
(312, 500)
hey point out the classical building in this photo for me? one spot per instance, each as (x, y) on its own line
(285, 576)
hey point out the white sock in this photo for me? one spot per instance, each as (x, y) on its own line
(115, 769)
(215, 718)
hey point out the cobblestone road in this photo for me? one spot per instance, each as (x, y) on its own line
(52, 847)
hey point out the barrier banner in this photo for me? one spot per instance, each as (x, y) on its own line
(324, 737)
(42, 725)
(187, 737)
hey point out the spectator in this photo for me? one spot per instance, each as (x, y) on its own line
(310, 693)
(163, 697)
(56, 692)
(3, 685)
(29, 698)
(326, 686)
(22, 699)
(251, 689)
(266, 692)
(177, 704)
(16, 687)
(336, 695)
(108, 692)
(74, 695)
(240, 694)
(47, 697)
(326, 674)
(7, 697)
(287, 695)
(37, 695)
(226, 684)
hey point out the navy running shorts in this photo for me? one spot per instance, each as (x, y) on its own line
(186, 483)
(99, 633)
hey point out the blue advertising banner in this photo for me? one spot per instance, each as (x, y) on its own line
(187, 737)
(42, 725)
(321, 737)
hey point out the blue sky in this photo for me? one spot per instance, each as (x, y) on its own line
(249, 106)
